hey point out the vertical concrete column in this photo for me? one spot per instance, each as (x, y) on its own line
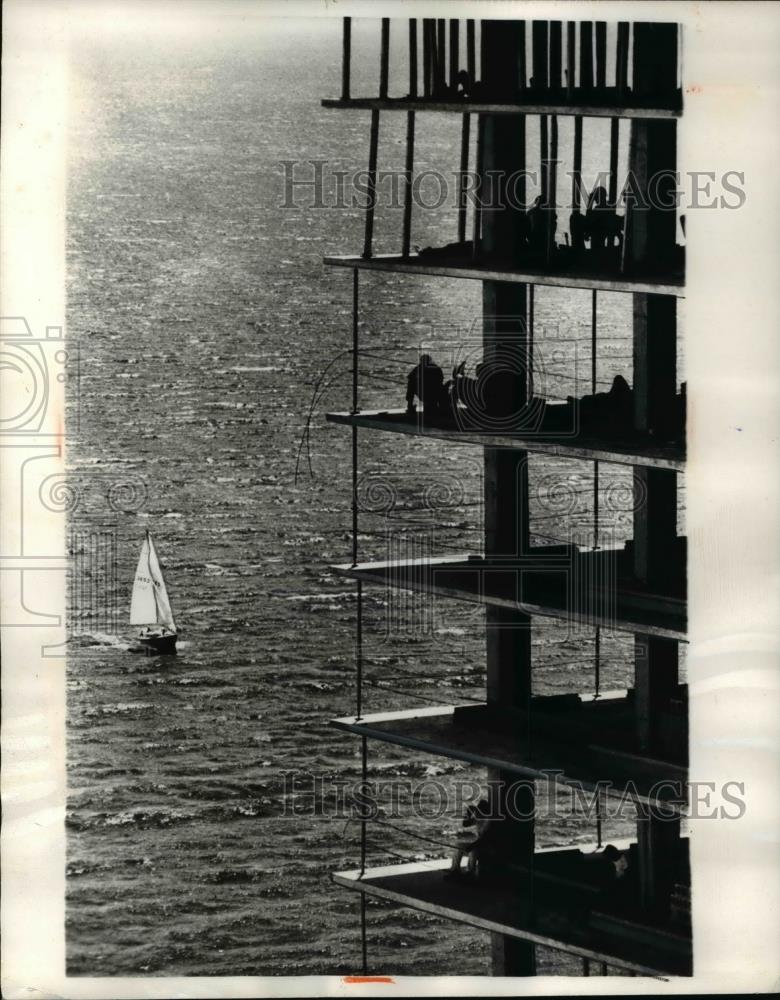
(649, 247)
(506, 476)
(659, 843)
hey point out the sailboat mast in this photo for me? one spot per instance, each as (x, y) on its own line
(149, 550)
(162, 578)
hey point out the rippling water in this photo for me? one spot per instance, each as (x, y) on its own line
(205, 321)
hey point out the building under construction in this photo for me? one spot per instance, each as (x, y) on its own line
(494, 74)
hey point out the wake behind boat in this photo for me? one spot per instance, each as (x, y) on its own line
(150, 605)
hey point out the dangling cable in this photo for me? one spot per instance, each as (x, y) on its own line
(355, 345)
(363, 939)
(363, 930)
(359, 653)
(406, 235)
(359, 606)
(355, 361)
(593, 383)
(530, 342)
(359, 584)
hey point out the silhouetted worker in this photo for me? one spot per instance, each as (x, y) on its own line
(612, 867)
(463, 84)
(578, 230)
(613, 409)
(462, 388)
(449, 251)
(426, 382)
(469, 89)
(541, 219)
(602, 223)
(475, 823)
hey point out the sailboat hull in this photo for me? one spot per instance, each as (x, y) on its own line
(159, 645)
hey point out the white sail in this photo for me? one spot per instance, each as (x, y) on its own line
(150, 604)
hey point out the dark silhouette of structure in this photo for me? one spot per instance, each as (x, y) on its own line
(629, 906)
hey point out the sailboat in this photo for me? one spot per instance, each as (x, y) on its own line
(150, 605)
